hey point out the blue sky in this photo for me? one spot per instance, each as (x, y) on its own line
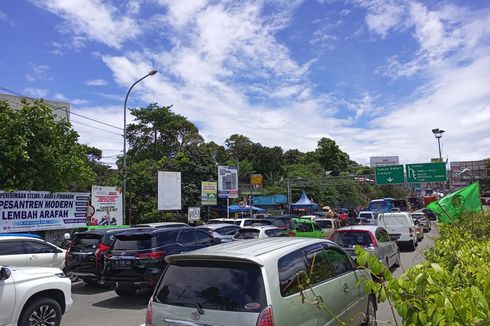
(375, 76)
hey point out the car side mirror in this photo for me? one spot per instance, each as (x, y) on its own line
(4, 273)
(217, 240)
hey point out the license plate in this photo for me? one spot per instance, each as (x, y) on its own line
(123, 263)
(395, 236)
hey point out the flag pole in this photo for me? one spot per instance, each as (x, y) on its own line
(445, 212)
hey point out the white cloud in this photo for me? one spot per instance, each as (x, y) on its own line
(38, 72)
(5, 18)
(383, 15)
(93, 19)
(96, 82)
(36, 92)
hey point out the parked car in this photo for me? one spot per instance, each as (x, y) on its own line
(221, 220)
(285, 222)
(33, 296)
(135, 260)
(430, 214)
(259, 284)
(306, 228)
(243, 222)
(400, 227)
(257, 232)
(367, 217)
(262, 215)
(374, 238)
(328, 225)
(419, 230)
(28, 235)
(223, 231)
(423, 220)
(27, 251)
(84, 256)
(159, 225)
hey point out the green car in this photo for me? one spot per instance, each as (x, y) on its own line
(306, 228)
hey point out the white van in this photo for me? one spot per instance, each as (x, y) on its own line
(400, 227)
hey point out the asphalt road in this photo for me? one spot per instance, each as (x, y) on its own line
(101, 306)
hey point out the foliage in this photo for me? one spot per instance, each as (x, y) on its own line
(330, 156)
(451, 288)
(40, 153)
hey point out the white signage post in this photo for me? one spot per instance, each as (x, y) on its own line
(227, 184)
(107, 202)
(169, 191)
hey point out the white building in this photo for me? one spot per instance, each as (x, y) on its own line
(60, 109)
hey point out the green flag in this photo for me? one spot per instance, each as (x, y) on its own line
(450, 207)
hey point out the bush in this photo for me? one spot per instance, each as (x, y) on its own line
(452, 287)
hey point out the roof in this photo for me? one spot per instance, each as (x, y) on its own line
(18, 237)
(215, 226)
(149, 230)
(254, 250)
(101, 231)
(326, 219)
(159, 224)
(371, 228)
(260, 227)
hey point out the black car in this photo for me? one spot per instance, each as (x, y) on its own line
(135, 260)
(84, 254)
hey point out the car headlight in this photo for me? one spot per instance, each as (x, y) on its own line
(61, 275)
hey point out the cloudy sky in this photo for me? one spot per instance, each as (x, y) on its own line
(376, 76)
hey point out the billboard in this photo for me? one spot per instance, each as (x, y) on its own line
(169, 191)
(24, 211)
(209, 191)
(465, 172)
(107, 206)
(376, 161)
(227, 182)
(193, 214)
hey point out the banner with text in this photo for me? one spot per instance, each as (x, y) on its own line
(107, 203)
(169, 191)
(209, 191)
(23, 211)
(227, 182)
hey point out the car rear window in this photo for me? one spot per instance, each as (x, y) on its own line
(348, 239)
(86, 240)
(282, 223)
(247, 234)
(228, 286)
(276, 233)
(365, 215)
(324, 224)
(134, 242)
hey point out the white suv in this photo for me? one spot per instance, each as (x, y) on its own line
(24, 251)
(33, 296)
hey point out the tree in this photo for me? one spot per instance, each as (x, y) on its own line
(293, 156)
(330, 156)
(39, 153)
(105, 176)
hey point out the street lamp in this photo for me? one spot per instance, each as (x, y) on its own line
(151, 73)
(438, 134)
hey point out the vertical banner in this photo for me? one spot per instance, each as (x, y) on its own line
(169, 191)
(23, 211)
(107, 204)
(227, 182)
(194, 214)
(209, 191)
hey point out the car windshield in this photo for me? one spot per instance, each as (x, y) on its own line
(349, 239)
(247, 234)
(275, 233)
(228, 286)
(324, 224)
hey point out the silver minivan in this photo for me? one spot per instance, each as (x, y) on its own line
(262, 282)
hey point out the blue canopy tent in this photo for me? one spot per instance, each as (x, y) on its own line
(304, 204)
(237, 209)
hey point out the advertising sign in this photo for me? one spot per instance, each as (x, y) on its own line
(24, 211)
(169, 191)
(376, 161)
(209, 190)
(194, 214)
(227, 182)
(256, 180)
(107, 204)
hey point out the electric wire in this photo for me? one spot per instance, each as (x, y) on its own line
(87, 125)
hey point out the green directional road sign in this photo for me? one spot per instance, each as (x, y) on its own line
(388, 175)
(426, 172)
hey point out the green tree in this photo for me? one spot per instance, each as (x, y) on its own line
(293, 156)
(39, 153)
(330, 156)
(105, 176)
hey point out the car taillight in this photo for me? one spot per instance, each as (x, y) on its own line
(103, 247)
(291, 234)
(151, 255)
(374, 243)
(265, 317)
(149, 314)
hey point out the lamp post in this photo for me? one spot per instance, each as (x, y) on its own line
(438, 134)
(151, 73)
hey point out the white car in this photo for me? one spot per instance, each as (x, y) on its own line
(246, 222)
(257, 232)
(33, 296)
(31, 252)
(400, 227)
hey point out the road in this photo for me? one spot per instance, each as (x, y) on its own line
(101, 306)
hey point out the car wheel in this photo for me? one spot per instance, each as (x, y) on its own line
(43, 311)
(370, 313)
(127, 292)
(90, 281)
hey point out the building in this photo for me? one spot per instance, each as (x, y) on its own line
(376, 161)
(60, 109)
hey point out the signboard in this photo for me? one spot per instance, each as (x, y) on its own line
(465, 172)
(169, 191)
(227, 182)
(426, 172)
(376, 161)
(388, 175)
(436, 160)
(209, 190)
(24, 211)
(107, 202)
(242, 204)
(193, 214)
(256, 180)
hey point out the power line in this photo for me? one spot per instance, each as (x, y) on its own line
(84, 124)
